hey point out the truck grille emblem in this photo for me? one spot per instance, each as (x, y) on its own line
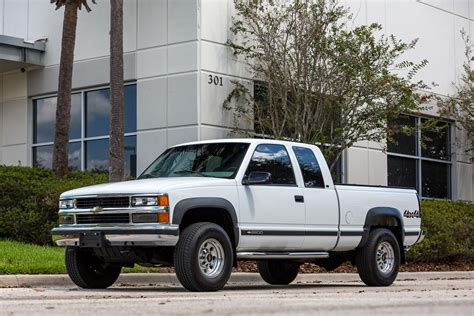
(97, 209)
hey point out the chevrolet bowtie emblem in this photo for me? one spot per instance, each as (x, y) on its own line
(97, 209)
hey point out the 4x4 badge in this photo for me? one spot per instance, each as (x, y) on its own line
(97, 209)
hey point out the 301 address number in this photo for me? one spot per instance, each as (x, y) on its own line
(216, 80)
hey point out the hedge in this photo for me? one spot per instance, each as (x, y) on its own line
(29, 205)
(449, 228)
(29, 201)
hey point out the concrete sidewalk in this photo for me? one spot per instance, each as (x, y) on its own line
(62, 280)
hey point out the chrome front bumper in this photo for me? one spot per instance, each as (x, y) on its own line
(130, 235)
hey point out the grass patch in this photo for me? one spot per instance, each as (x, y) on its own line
(21, 258)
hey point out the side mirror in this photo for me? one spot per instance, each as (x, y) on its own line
(257, 177)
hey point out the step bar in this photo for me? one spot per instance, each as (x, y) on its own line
(281, 255)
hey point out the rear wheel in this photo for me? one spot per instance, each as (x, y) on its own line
(278, 272)
(87, 271)
(378, 261)
(203, 257)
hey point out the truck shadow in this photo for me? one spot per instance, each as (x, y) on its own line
(231, 287)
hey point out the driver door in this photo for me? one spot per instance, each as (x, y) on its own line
(272, 214)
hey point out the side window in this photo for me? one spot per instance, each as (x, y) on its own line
(312, 176)
(275, 160)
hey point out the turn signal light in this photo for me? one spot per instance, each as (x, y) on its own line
(163, 200)
(164, 217)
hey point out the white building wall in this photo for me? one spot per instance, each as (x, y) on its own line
(437, 25)
(167, 76)
(174, 47)
(218, 65)
(14, 119)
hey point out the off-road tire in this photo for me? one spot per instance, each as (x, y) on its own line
(187, 257)
(366, 259)
(87, 271)
(278, 272)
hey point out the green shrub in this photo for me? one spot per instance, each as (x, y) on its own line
(449, 228)
(29, 204)
(29, 201)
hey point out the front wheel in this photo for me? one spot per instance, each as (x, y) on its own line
(87, 271)
(278, 272)
(203, 257)
(378, 261)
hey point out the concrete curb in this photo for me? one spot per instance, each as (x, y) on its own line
(62, 280)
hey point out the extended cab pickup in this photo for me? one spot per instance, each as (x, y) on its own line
(202, 206)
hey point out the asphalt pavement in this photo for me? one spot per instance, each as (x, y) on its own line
(439, 293)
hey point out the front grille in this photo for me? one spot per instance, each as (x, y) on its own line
(110, 201)
(122, 218)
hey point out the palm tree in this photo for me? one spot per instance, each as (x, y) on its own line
(63, 109)
(116, 146)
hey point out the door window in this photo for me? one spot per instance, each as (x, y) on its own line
(312, 176)
(275, 160)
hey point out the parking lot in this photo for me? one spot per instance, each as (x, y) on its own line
(433, 294)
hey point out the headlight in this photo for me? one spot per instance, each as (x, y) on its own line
(144, 201)
(66, 219)
(69, 203)
(161, 200)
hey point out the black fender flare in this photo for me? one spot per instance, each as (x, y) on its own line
(374, 214)
(186, 205)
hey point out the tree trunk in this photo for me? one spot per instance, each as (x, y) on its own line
(116, 147)
(63, 109)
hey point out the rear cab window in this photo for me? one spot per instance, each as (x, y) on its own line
(309, 166)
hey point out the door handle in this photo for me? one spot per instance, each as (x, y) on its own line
(299, 198)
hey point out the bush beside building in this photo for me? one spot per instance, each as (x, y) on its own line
(29, 205)
(29, 201)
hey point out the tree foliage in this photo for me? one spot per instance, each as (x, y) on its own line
(77, 3)
(319, 78)
(460, 105)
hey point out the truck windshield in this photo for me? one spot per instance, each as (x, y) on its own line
(219, 160)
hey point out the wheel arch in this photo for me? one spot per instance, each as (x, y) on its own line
(388, 217)
(213, 209)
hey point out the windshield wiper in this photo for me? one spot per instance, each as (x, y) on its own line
(192, 172)
(146, 176)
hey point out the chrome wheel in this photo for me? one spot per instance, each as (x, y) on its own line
(211, 257)
(385, 257)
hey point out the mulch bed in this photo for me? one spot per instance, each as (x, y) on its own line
(251, 266)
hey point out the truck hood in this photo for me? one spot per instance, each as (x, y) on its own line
(148, 186)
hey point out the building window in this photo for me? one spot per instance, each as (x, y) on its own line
(88, 132)
(260, 95)
(420, 160)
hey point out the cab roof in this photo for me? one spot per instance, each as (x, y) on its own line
(242, 140)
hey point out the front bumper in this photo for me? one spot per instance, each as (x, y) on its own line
(130, 235)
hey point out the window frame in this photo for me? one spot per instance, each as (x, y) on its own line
(419, 158)
(272, 184)
(83, 139)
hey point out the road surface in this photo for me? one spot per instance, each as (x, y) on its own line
(435, 295)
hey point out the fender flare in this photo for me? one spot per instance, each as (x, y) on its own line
(186, 205)
(374, 214)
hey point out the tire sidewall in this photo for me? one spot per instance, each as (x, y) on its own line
(79, 270)
(381, 236)
(216, 232)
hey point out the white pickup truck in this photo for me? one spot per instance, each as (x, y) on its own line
(202, 206)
